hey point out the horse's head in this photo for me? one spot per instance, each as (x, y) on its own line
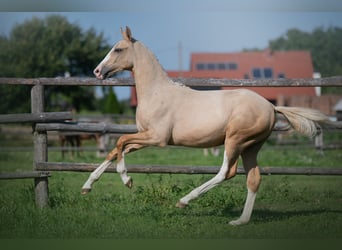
(119, 58)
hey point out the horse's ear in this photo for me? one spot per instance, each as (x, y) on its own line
(127, 34)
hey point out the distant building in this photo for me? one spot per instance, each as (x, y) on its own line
(265, 64)
(253, 64)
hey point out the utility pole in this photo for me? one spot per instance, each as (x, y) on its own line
(180, 58)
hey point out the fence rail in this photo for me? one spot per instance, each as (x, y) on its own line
(45, 122)
(87, 127)
(167, 169)
(38, 117)
(193, 82)
(24, 175)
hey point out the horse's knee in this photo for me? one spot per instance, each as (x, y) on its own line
(112, 155)
(253, 179)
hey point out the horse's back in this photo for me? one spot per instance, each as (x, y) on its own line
(248, 103)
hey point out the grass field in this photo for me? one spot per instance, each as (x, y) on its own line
(286, 206)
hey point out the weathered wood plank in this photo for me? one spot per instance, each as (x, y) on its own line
(308, 82)
(87, 127)
(41, 186)
(88, 81)
(166, 169)
(70, 81)
(24, 175)
(111, 128)
(36, 117)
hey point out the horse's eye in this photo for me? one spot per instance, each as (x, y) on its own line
(118, 50)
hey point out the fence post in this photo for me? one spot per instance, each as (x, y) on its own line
(319, 143)
(40, 147)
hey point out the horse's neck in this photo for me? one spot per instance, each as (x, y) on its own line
(148, 73)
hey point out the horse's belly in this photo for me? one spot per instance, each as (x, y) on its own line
(197, 135)
(191, 140)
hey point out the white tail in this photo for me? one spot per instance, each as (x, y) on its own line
(304, 120)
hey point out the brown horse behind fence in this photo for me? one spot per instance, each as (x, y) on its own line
(169, 113)
(73, 141)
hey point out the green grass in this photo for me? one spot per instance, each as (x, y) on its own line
(286, 206)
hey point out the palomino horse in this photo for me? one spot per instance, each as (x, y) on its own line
(169, 113)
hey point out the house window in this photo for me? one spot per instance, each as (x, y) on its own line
(262, 73)
(221, 66)
(268, 73)
(256, 72)
(217, 66)
(200, 66)
(232, 66)
(281, 75)
(211, 66)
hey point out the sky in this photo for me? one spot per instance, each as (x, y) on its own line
(175, 29)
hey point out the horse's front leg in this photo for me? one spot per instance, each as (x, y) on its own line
(125, 145)
(121, 166)
(129, 143)
(121, 169)
(95, 175)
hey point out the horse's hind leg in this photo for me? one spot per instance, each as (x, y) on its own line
(227, 170)
(249, 158)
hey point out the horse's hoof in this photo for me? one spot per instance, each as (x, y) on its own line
(129, 183)
(85, 191)
(237, 222)
(181, 205)
(234, 223)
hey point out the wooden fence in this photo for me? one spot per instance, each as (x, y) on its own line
(55, 121)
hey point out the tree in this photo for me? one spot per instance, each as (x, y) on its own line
(50, 47)
(111, 104)
(324, 44)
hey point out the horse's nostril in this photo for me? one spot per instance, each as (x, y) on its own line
(96, 71)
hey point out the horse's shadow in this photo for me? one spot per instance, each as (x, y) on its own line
(261, 215)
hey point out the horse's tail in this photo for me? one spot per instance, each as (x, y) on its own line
(304, 120)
